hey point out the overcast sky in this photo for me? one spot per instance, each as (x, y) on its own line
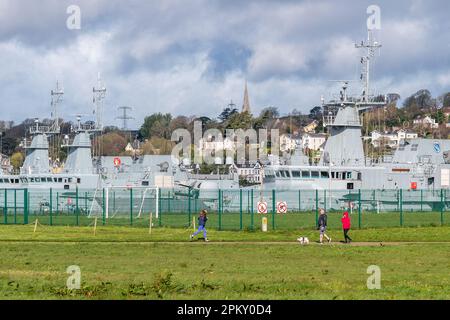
(192, 57)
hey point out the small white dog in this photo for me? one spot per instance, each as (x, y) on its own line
(303, 240)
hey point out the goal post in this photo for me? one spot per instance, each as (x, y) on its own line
(126, 202)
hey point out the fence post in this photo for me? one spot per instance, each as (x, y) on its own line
(251, 212)
(5, 209)
(240, 209)
(85, 202)
(421, 200)
(401, 207)
(76, 206)
(273, 209)
(169, 200)
(103, 207)
(359, 209)
(51, 206)
(25, 206)
(220, 209)
(189, 207)
(158, 199)
(442, 208)
(131, 206)
(15, 206)
(317, 207)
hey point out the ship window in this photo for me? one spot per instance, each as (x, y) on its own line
(66, 187)
(78, 180)
(333, 175)
(59, 179)
(49, 179)
(314, 174)
(145, 183)
(349, 175)
(70, 180)
(38, 180)
(359, 175)
(287, 174)
(55, 179)
(283, 174)
(296, 174)
(305, 174)
(16, 181)
(324, 174)
(278, 174)
(1, 180)
(32, 180)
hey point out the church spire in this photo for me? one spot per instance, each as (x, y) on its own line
(246, 105)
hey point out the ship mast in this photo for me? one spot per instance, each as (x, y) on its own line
(57, 97)
(99, 94)
(371, 47)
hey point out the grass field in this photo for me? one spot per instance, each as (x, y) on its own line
(234, 221)
(129, 263)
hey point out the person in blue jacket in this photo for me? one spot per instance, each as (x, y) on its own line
(202, 218)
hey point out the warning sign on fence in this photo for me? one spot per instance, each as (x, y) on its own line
(282, 207)
(262, 207)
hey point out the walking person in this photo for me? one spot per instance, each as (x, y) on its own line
(202, 218)
(346, 224)
(322, 225)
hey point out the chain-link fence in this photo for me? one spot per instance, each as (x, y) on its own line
(241, 209)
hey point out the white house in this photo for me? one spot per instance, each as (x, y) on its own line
(313, 141)
(391, 139)
(287, 143)
(426, 121)
(252, 172)
(210, 144)
(406, 134)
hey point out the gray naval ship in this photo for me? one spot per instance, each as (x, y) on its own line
(417, 167)
(85, 173)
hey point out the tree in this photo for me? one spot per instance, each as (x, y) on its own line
(316, 113)
(17, 160)
(241, 120)
(113, 144)
(440, 117)
(422, 99)
(158, 146)
(158, 125)
(227, 113)
(269, 113)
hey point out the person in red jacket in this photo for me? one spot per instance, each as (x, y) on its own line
(346, 223)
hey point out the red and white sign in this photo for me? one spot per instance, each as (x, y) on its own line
(117, 162)
(282, 207)
(262, 207)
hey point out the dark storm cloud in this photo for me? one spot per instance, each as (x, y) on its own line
(194, 56)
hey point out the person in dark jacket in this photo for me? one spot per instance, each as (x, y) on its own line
(346, 224)
(322, 225)
(202, 218)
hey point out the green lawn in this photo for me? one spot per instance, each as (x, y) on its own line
(248, 221)
(129, 263)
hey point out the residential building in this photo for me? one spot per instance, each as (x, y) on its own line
(313, 141)
(426, 121)
(311, 126)
(251, 172)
